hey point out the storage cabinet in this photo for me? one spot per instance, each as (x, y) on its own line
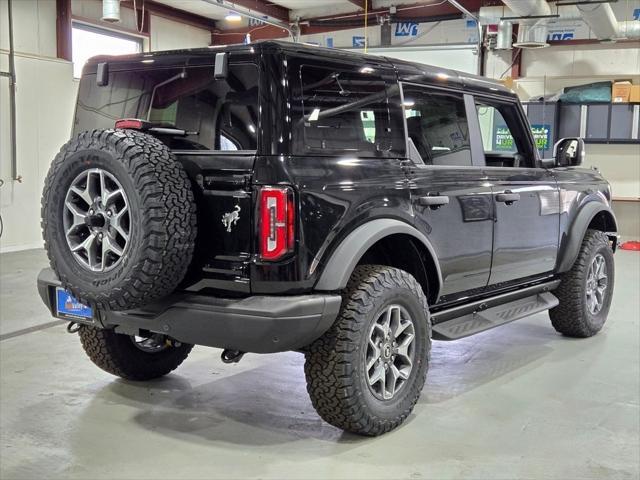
(595, 122)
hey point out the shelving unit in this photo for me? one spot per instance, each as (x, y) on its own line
(609, 123)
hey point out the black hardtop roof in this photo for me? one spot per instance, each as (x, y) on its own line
(408, 71)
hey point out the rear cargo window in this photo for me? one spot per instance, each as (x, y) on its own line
(342, 111)
(217, 114)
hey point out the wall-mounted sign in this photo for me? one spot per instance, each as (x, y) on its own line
(254, 22)
(561, 35)
(329, 42)
(406, 29)
(636, 14)
(358, 41)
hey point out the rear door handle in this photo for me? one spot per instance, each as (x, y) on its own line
(433, 201)
(507, 197)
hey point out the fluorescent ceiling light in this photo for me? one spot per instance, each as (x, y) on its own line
(233, 17)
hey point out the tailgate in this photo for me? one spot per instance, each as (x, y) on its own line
(222, 187)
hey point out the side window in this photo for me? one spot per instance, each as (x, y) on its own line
(496, 135)
(342, 111)
(503, 139)
(437, 126)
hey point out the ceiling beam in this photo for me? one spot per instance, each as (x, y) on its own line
(264, 7)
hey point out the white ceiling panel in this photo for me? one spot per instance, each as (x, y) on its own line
(302, 4)
(199, 7)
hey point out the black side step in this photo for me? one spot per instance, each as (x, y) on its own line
(481, 320)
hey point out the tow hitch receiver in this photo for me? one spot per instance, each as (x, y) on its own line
(232, 356)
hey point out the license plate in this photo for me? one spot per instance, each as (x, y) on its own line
(68, 307)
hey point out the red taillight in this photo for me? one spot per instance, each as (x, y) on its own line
(132, 123)
(277, 222)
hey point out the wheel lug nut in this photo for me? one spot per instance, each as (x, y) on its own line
(91, 211)
(100, 235)
(109, 213)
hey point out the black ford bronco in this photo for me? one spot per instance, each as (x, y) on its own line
(273, 197)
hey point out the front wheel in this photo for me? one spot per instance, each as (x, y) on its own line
(131, 357)
(586, 290)
(365, 374)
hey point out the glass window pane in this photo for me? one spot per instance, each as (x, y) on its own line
(496, 135)
(437, 126)
(342, 111)
(216, 114)
(89, 42)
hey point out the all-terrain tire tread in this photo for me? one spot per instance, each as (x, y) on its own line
(168, 217)
(115, 353)
(330, 360)
(568, 317)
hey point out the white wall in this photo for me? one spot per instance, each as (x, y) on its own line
(45, 101)
(44, 104)
(169, 35)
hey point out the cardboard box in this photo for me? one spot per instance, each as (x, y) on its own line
(621, 91)
(634, 95)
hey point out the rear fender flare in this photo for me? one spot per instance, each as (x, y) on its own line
(346, 256)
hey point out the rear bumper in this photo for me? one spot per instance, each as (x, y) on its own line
(260, 324)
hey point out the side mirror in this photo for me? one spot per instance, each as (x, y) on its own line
(569, 152)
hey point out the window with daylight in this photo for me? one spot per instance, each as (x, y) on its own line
(89, 41)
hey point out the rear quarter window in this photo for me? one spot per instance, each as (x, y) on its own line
(217, 114)
(342, 111)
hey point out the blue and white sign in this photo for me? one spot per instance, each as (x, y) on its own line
(561, 35)
(406, 29)
(254, 22)
(329, 42)
(358, 41)
(68, 307)
(636, 14)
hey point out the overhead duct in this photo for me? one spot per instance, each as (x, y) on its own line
(601, 20)
(532, 33)
(111, 11)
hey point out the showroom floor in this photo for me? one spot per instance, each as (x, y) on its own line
(518, 401)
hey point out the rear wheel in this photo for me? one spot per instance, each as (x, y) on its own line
(586, 290)
(365, 374)
(131, 357)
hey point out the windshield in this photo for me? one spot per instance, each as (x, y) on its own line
(216, 114)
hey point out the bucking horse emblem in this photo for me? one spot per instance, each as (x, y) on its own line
(229, 219)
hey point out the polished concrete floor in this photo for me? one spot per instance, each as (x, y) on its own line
(516, 402)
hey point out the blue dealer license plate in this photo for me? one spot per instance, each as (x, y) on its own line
(68, 307)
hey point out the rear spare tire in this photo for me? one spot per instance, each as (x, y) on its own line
(118, 219)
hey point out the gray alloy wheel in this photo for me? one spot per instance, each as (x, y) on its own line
(96, 220)
(390, 352)
(597, 282)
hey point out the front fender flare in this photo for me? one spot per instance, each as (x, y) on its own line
(570, 248)
(346, 256)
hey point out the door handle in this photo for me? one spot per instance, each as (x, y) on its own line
(433, 201)
(508, 197)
